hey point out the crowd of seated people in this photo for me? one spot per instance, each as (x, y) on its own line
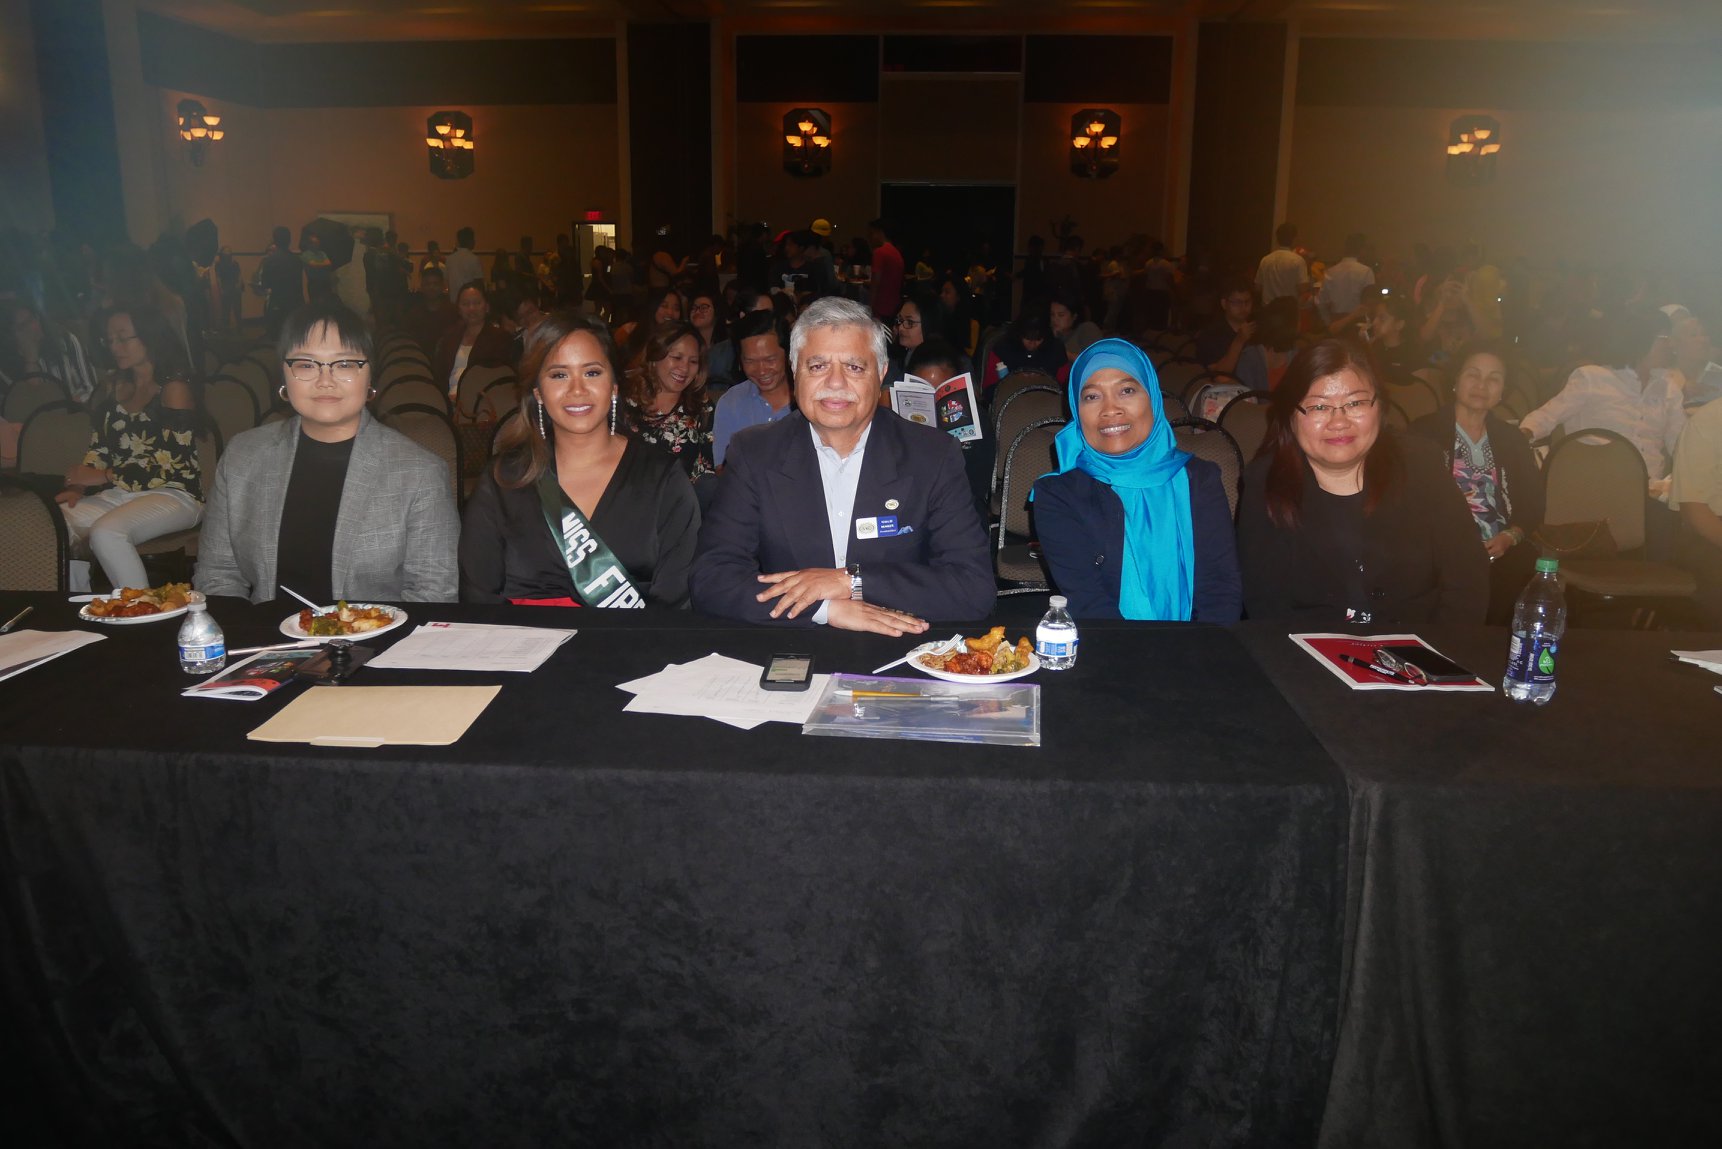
(1341, 516)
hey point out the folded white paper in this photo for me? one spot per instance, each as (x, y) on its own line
(23, 649)
(1710, 660)
(723, 688)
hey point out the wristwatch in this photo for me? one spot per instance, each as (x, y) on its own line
(855, 581)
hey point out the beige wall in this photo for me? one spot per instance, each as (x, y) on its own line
(847, 195)
(1129, 202)
(537, 168)
(1638, 186)
(26, 196)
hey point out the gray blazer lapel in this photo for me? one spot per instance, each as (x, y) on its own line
(265, 529)
(364, 473)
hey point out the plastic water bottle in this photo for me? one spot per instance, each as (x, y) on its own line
(202, 647)
(1539, 620)
(1055, 637)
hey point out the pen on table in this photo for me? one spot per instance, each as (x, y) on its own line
(1381, 670)
(884, 694)
(16, 619)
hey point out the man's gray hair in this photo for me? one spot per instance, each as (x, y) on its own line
(835, 311)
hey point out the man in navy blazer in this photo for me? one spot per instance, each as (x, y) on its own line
(843, 514)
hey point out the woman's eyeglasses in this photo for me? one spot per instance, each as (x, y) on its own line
(906, 321)
(341, 370)
(1322, 412)
(117, 340)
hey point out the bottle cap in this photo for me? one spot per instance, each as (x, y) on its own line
(1544, 566)
(1059, 602)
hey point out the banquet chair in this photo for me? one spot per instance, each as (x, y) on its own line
(1026, 406)
(260, 383)
(1179, 377)
(34, 557)
(1245, 419)
(498, 399)
(53, 440)
(473, 381)
(1415, 397)
(1435, 380)
(414, 389)
(402, 368)
(29, 394)
(1209, 441)
(1593, 475)
(431, 429)
(1173, 406)
(1016, 564)
(1018, 381)
(1394, 416)
(231, 405)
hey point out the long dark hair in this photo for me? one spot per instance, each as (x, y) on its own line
(642, 385)
(167, 358)
(522, 453)
(1289, 466)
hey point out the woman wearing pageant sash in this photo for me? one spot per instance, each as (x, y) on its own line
(575, 511)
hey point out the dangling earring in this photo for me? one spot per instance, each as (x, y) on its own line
(612, 412)
(542, 433)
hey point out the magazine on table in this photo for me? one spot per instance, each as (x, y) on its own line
(950, 406)
(257, 677)
(1388, 662)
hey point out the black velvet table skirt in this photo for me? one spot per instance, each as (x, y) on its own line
(579, 926)
(1534, 903)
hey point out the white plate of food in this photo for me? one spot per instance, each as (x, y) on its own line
(344, 620)
(129, 606)
(972, 659)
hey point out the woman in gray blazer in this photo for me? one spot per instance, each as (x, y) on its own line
(330, 502)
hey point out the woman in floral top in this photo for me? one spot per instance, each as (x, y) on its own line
(143, 451)
(667, 403)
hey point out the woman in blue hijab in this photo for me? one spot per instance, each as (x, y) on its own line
(1131, 526)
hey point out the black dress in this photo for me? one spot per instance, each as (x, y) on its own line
(647, 516)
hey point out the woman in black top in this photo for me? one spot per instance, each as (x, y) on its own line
(1341, 521)
(1492, 465)
(625, 514)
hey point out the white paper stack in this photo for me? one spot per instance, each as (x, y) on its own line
(473, 646)
(726, 689)
(1710, 660)
(23, 649)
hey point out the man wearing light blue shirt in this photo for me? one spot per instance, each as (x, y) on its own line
(763, 396)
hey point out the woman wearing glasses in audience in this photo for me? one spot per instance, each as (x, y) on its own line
(477, 340)
(575, 511)
(142, 461)
(329, 502)
(918, 317)
(1341, 521)
(1131, 526)
(1492, 464)
(705, 312)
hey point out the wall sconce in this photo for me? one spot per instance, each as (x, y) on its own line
(448, 136)
(1094, 136)
(198, 128)
(1473, 142)
(806, 142)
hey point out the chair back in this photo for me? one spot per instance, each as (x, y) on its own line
(402, 367)
(29, 394)
(1031, 455)
(54, 439)
(231, 405)
(431, 429)
(34, 557)
(1593, 475)
(473, 381)
(417, 389)
(500, 398)
(1415, 397)
(1018, 381)
(1173, 407)
(1028, 405)
(1245, 419)
(1179, 376)
(1208, 441)
(1394, 416)
(1435, 379)
(263, 386)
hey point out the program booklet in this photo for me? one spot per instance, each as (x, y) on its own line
(257, 677)
(950, 406)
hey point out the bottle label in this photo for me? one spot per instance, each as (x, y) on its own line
(203, 653)
(1048, 649)
(1531, 659)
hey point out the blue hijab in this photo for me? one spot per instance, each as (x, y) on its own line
(1159, 575)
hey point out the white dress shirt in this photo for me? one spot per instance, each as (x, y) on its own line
(1650, 417)
(1282, 272)
(840, 476)
(1342, 288)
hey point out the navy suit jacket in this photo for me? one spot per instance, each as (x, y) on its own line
(768, 515)
(1079, 522)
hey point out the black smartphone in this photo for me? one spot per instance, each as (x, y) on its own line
(1422, 665)
(787, 672)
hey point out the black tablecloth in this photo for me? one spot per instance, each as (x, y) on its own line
(1534, 917)
(579, 926)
